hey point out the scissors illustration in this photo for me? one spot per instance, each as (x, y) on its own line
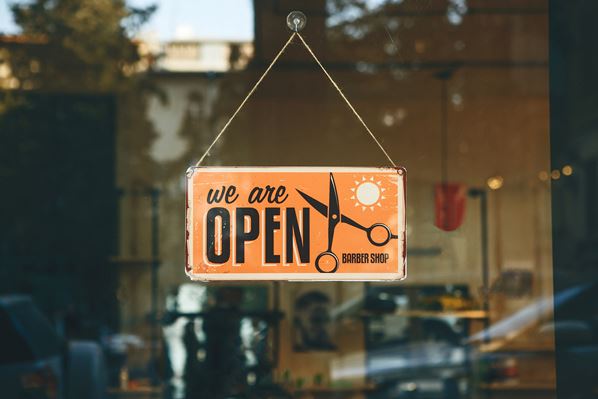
(332, 212)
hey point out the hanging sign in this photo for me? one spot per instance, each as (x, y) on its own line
(295, 223)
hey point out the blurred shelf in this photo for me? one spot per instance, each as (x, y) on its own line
(137, 392)
(334, 390)
(459, 314)
(503, 386)
(270, 316)
(514, 347)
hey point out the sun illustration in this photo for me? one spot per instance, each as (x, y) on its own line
(368, 193)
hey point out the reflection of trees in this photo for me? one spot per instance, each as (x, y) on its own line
(75, 77)
(359, 21)
(231, 90)
(195, 128)
(85, 46)
(77, 45)
(206, 111)
(136, 170)
(355, 24)
(349, 11)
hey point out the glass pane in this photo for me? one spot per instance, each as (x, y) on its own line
(104, 107)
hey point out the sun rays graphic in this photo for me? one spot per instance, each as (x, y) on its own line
(368, 194)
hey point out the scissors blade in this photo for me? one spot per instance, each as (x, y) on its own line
(351, 222)
(317, 205)
(334, 213)
(334, 208)
(323, 210)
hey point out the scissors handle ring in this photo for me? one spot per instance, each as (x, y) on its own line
(379, 243)
(333, 256)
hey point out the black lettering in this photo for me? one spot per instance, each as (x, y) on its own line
(269, 191)
(242, 235)
(271, 225)
(230, 194)
(294, 232)
(273, 195)
(227, 193)
(215, 196)
(280, 196)
(224, 216)
(256, 195)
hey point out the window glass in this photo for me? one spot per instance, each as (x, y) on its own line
(105, 105)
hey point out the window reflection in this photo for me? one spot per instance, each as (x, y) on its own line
(106, 125)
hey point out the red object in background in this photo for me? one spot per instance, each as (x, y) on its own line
(449, 200)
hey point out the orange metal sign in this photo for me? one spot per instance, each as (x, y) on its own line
(296, 223)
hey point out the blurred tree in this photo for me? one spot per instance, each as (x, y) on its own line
(74, 118)
(88, 46)
(80, 45)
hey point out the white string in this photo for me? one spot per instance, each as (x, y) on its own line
(247, 97)
(262, 78)
(345, 98)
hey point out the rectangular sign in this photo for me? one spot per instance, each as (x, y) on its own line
(295, 223)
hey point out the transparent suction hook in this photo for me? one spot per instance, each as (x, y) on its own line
(296, 21)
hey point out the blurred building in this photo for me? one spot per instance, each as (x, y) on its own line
(203, 56)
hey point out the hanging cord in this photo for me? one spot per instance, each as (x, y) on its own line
(247, 98)
(338, 89)
(345, 98)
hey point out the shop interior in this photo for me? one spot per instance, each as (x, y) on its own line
(460, 100)
(457, 91)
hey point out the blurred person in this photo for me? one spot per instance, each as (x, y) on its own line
(225, 360)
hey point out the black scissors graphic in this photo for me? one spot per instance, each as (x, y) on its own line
(333, 213)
